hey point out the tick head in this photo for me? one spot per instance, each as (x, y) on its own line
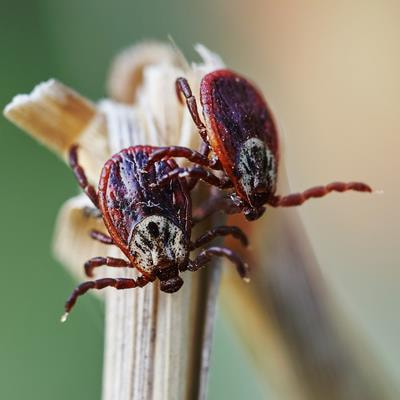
(158, 244)
(256, 168)
(252, 214)
(170, 283)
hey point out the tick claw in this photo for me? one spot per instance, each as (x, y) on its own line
(64, 317)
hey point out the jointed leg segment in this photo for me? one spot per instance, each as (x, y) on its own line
(95, 262)
(297, 199)
(81, 176)
(101, 237)
(220, 231)
(205, 256)
(119, 283)
(214, 204)
(182, 87)
(184, 152)
(195, 172)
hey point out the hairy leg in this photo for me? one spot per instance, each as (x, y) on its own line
(235, 231)
(206, 255)
(101, 237)
(214, 204)
(95, 262)
(213, 163)
(182, 88)
(297, 199)
(81, 176)
(184, 152)
(119, 283)
(195, 172)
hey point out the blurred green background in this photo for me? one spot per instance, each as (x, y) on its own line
(330, 69)
(73, 41)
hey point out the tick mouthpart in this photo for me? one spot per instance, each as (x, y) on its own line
(171, 285)
(252, 214)
(166, 273)
(258, 198)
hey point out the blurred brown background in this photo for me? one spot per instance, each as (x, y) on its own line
(330, 70)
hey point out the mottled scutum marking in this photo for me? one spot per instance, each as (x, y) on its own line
(158, 241)
(256, 167)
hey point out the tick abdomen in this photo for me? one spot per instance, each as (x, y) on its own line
(235, 111)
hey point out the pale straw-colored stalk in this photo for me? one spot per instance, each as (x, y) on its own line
(157, 345)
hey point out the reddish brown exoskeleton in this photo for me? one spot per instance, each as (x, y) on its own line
(152, 227)
(240, 131)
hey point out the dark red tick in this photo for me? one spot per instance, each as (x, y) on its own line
(241, 139)
(152, 227)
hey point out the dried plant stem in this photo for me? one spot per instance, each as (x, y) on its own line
(157, 345)
(53, 113)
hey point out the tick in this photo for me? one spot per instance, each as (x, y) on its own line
(152, 227)
(240, 138)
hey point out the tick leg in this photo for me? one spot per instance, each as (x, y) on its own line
(213, 163)
(184, 152)
(182, 88)
(95, 262)
(81, 176)
(119, 283)
(214, 204)
(297, 199)
(205, 256)
(235, 231)
(101, 237)
(200, 158)
(194, 172)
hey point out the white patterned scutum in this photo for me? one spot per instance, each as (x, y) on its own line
(157, 240)
(256, 166)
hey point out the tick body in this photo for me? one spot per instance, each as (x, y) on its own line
(151, 226)
(241, 139)
(242, 134)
